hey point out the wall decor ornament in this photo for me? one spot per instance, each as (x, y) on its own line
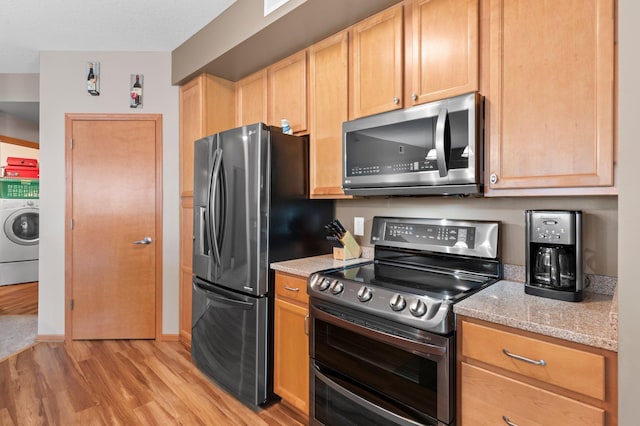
(93, 80)
(135, 100)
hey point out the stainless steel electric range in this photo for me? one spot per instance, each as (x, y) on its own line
(383, 332)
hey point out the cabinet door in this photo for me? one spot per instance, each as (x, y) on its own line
(442, 49)
(186, 250)
(192, 128)
(287, 92)
(328, 108)
(206, 106)
(491, 399)
(251, 96)
(375, 74)
(551, 94)
(291, 354)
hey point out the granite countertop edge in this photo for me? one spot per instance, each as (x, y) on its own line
(587, 322)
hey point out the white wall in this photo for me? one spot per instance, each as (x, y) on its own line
(19, 88)
(63, 90)
(18, 128)
(628, 208)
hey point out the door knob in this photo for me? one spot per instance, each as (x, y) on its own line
(145, 240)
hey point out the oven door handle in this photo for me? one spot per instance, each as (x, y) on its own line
(418, 348)
(369, 406)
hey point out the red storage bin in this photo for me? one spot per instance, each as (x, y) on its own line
(25, 162)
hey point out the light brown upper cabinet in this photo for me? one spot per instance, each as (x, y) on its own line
(251, 97)
(376, 63)
(207, 105)
(551, 96)
(328, 109)
(441, 49)
(287, 92)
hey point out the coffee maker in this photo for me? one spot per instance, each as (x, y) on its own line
(554, 254)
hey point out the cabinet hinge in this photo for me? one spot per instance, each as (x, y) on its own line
(71, 143)
(70, 223)
(71, 304)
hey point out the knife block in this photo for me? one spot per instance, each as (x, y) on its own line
(350, 249)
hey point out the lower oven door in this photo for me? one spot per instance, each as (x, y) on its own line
(368, 371)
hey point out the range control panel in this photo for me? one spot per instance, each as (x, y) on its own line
(431, 234)
(464, 237)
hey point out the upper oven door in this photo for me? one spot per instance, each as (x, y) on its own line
(415, 150)
(366, 368)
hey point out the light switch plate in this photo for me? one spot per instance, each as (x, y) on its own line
(358, 226)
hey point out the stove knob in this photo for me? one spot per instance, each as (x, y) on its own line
(337, 287)
(397, 302)
(364, 294)
(324, 284)
(418, 308)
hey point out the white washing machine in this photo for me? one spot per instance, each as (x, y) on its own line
(19, 240)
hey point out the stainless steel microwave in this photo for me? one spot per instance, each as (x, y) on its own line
(429, 149)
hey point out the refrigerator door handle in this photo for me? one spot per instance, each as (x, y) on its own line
(213, 184)
(226, 300)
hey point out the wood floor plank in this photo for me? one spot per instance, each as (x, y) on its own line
(19, 299)
(120, 383)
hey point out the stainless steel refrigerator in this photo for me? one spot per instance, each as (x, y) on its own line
(251, 208)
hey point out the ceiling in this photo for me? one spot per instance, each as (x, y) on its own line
(30, 26)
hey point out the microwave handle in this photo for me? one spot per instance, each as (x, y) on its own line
(442, 132)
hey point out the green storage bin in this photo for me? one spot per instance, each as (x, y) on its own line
(19, 188)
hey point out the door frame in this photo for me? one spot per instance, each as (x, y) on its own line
(69, 119)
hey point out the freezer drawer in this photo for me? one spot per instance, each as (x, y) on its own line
(235, 357)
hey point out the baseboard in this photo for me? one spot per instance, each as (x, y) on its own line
(169, 338)
(185, 339)
(43, 338)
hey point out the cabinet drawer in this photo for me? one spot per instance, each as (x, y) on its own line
(486, 397)
(572, 369)
(291, 287)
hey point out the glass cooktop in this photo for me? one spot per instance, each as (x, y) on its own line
(421, 281)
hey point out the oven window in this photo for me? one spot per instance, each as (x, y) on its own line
(403, 378)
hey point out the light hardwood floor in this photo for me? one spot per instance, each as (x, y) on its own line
(119, 382)
(19, 299)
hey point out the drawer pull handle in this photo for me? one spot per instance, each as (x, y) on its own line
(521, 358)
(507, 421)
(291, 288)
(306, 324)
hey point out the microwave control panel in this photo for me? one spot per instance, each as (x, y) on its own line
(393, 169)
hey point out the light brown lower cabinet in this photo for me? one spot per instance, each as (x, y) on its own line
(508, 376)
(291, 341)
(490, 398)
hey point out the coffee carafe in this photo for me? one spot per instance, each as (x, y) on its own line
(554, 254)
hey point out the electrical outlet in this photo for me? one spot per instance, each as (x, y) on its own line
(358, 226)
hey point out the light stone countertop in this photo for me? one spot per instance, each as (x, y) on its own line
(308, 265)
(587, 322)
(592, 322)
